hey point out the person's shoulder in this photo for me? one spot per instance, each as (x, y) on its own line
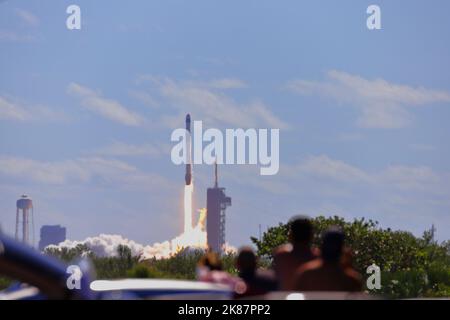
(282, 251)
(305, 274)
(309, 267)
(313, 264)
(351, 273)
(355, 278)
(315, 252)
(266, 278)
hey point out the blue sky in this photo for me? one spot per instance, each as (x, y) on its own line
(86, 115)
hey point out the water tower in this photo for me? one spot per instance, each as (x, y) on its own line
(24, 208)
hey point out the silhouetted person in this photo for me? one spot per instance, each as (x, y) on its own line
(257, 282)
(210, 261)
(328, 273)
(209, 269)
(288, 258)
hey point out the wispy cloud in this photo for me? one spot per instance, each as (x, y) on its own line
(381, 104)
(120, 149)
(401, 177)
(208, 101)
(23, 36)
(28, 17)
(79, 171)
(227, 83)
(11, 109)
(321, 174)
(144, 98)
(12, 36)
(410, 177)
(350, 136)
(42, 172)
(324, 167)
(107, 108)
(422, 147)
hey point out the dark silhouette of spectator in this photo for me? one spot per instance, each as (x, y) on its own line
(329, 273)
(257, 282)
(209, 269)
(347, 258)
(288, 258)
(211, 261)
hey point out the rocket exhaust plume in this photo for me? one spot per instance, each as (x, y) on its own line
(188, 189)
(194, 237)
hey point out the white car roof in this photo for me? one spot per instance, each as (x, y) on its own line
(156, 284)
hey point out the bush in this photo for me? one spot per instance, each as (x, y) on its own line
(143, 271)
(5, 283)
(411, 266)
(179, 266)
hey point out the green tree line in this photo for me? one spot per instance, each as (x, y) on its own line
(411, 266)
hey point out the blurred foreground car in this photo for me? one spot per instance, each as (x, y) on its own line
(38, 276)
(160, 289)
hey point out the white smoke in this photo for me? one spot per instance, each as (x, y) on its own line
(229, 249)
(105, 245)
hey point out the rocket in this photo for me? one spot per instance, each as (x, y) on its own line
(188, 122)
(188, 174)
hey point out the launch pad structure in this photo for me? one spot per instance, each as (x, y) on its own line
(216, 204)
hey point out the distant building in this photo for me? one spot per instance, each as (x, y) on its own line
(216, 203)
(51, 235)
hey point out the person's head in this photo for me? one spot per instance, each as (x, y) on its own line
(211, 261)
(332, 245)
(300, 230)
(246, 260)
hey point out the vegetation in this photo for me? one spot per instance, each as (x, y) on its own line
(4, 283)
(180, 266)
(105, 267)
(411, 266)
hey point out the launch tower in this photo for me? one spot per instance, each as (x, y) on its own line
(216, 204)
